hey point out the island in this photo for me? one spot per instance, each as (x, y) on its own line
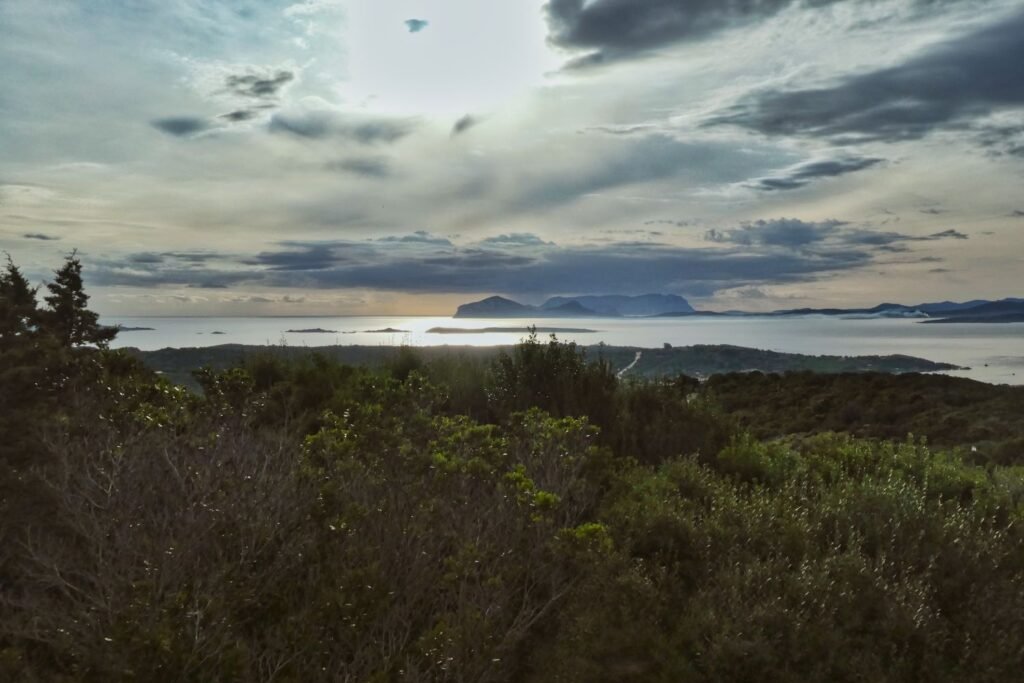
(312, 330)
(1008, 310)
(589, 306)
(1005, 311)
(510, 330)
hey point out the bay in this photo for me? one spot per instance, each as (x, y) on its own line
(992, 352)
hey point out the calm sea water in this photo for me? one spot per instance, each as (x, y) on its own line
(994, 353)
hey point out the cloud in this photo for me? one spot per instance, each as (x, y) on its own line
(368, 167)
(516, 239)
(240, 115)
(607, 31)
(39, 236)
(416, 25)
(614, 29)
(945, 87)
(121, 273)
(325, 124)
(181, 126)
(464, 124)
(780, 232)
(676, 223)
(1001, 139)
(144, 258)
(258, 86)
(951, 234)
(305, 257)
(161, 257)
(638, 232)
(802, 174)
(635, 268)
(761, 253)
(307, 8)
(419, 237)
(792, 233)
(616, 162)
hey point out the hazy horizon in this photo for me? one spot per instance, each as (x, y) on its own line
(349, 157)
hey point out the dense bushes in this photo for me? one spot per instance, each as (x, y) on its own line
(852, 561)
(393, 545)
(530, 519)
(949, 411)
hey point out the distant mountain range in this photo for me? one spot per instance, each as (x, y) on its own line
(645, 305)
(1003, 311)
(978, 310)
(670, 305)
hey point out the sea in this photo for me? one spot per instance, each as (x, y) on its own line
(991, 353)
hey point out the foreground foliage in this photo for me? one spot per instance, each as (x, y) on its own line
(528, 519)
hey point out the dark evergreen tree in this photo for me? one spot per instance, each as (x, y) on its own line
(17, 306)
(20, 367)
(24, 401)
(68, 319)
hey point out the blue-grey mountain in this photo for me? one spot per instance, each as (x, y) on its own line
(643, 305)
(578, 306)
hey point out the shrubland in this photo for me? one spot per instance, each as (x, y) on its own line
(527, 518)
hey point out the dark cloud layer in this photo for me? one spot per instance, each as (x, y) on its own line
(763, 252)
(634, 267)
(792, 233)
(367, 167)
(464, 124)
(327, 124)
(39, 236)
(802, 174)
(181, 126)
(613, 29)
(607, 31)
(420, 237)
(258, 87)
(515, 239)
(240, 115)
(949, 86)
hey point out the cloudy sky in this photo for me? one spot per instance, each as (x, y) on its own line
(399, 156)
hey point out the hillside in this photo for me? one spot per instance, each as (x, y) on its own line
(696, 361)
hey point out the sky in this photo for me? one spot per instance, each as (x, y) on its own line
(318, 157)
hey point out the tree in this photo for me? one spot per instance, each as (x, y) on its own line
(20, 370)
(17, 306)
(68, 319)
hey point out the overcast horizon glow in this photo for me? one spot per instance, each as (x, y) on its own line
(319, 157)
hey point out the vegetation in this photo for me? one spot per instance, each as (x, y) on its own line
(982, 419)
(529, 517)
(695, 361)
